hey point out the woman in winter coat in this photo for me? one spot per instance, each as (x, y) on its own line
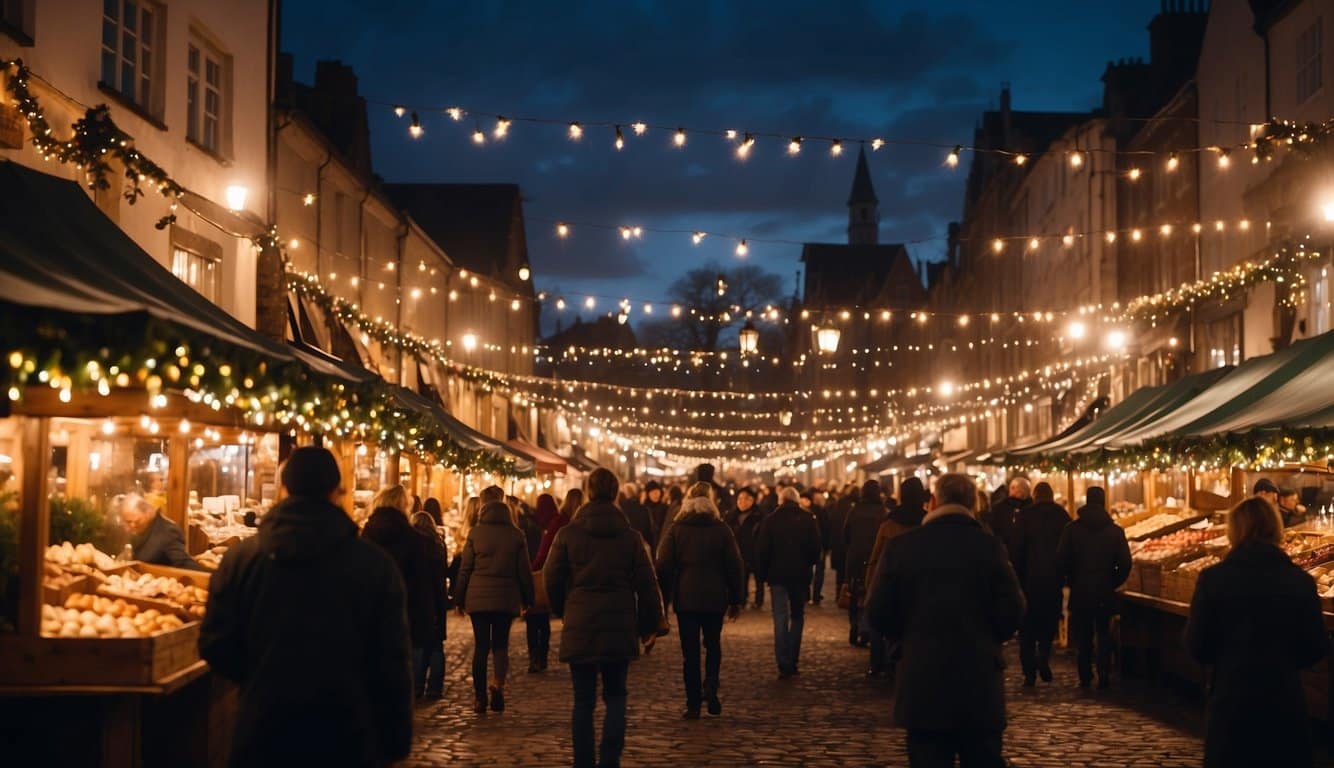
(494, 586)
(538, 620)
(699, 568)
(430, 680)
(859, 532)
(600, 580)
(906, 516)
(1255, 623)
(388, 526)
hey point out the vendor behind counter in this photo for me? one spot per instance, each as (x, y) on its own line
(153, 538)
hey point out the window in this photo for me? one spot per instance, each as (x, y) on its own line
(16, 20)
(206, 97)
(1310, 62)
(131, 31)
(200, 272)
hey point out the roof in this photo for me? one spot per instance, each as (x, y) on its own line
(544, 461)
(480, 226)
(862, 189)
(838, 274)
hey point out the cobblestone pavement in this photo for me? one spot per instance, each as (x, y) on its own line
(830, 715)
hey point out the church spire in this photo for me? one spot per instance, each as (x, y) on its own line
(863, 207)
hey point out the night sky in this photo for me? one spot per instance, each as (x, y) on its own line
(915, 70)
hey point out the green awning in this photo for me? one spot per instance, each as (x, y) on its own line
(1164, 400)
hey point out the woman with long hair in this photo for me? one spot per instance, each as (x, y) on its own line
(429, 678)
(538, 618)
(389, 527)
(494, 586)
(699, 568)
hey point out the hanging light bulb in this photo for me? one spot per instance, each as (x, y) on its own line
(455, 113)
(478, 137)
(1076, 159)
(794, 146)
(742, 248)
(1068, 241)
(680, 138)
(625, 233)
(400, 110)
(560, 303)
(639, 128)
(952, 159)
(877, 144)
(590, 303)
(308, 199)
(676, 310)
(576, 131)
(1173, 162)
(698, 237)
(1133, 174)
(638, 232)
(620, 139)
(836, 148)
(1033, 244)
(525, 273)
(998, 245)
(743, 149)
(1165, 230)
(1111, 237)
(1020, 159)
(722, 285)
(1224, 159)
(502, 127)
(1136, 235)
(562, 230)
(415, 129)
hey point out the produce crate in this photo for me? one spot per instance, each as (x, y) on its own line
(1184, 522)
(1134, 582)
(144, 603)
(1179, 585)
(89, 661)
(58, 595)
(199, 579)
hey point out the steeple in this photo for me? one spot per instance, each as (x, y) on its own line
(863, 207)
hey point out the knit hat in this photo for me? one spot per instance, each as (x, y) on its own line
(311, 472)
(1264, 484)
(1096, 497)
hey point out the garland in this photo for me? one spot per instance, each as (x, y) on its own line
(1282, 268)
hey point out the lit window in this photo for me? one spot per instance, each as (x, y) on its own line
(1310, 61)
(199, 272)
(131, 30)
(206, 97)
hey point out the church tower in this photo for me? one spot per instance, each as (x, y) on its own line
(863, 207)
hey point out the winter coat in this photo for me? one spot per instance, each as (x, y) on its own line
(1038, 533)
(946, 592)
(1255, 622)
(558, 522)
(1094, 559)
(659, 519)
(311, 621)
(838, 545)
(533, 530)
(743, 530)
(902, 519)
(787, 547)
(410, 550)
(699, 565)
(438, 580)
(640, 520)
(821, 516)
(600, 580)
(162, 543)
(494, 576)
(859, 532)
(1003, 520)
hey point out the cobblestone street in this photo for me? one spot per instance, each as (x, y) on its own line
(830, 715)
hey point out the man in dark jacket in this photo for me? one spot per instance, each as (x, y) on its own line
(311, 622)
(153, 538)
(946, 592)
(787, 546)
(859, 532)
(1095, 559)
(1038, 533)
(637, 514)
(721, 496)
(600, 580)
(657, 511)
(812, 500)
(1004, 514)
(838, 546)
(743, 521)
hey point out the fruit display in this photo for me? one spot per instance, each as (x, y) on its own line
(1172, 545)
(67, 554)
(211, 558)
(1199, 564)
(1154, 523)
(1314, 557)
(190, 599)
(56, 578)
(92, 616)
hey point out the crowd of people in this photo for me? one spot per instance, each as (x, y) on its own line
(331, 632)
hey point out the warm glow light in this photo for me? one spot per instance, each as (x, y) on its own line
(478, 137)
(1076, 159)
(576, 131)
(455, 113)
(749, 339)
(1111, 237)
(293, 244)
(1076, 330)
(1068, 241)
(946, 388)
(742, 249)
(562, 229)
(1020, 159)
(698, 237)
(877, 144)
(1116, 340)
(1033, 244)
(836, 148)
(525, 272)
(235, 195)
(1223, 159)
(308, 199)
(590, 303)
(1173, 162)
(1136, 235)
(469, 341)
(639, 128)
(794, 146)
(952, 159)
(1328, 210)
(620, 139)
(1133, 174)
(1244, 224)
(676, 310)
(560, 303)
(680, 138)
(415, 129)
(998, 245)
(826, 339)
(963, 321)
(502, 127)
(514, 305)
(399, 111)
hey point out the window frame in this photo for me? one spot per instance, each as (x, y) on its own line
(1309, 51)
(17, 21)
(191, 258)
(201, 248)
(201, 55)
(146, 71)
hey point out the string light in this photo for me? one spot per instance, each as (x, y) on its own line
(680, 138)
(743, 149)
(1076, 159)
(1224, 161)
(1173, 162)
(952, 159)
(794, 146)
(502, 127)
(455, 113)
(742, 249)
(562, 230)
(639, 128)
(576, 131)
(1133, 174)
(876, 144)
(415, 129)
(1020, 159)
(478, 137)
(620, 139)
(698, 237)
(836, 148)
(399, 110)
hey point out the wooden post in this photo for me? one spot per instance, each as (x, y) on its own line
(178, 481)
(1237, 485)
(1070, 504)
(35, 523)
(1190, 488)
(76, 461)
(345, 451)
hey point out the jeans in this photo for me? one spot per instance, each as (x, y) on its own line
(428, 670)
(1084, 627)
(936, 749)
(690, 625)
(585, 677)
(817, 586)
(789, 611)
(539, 638)
(491, 636)
(746, 575)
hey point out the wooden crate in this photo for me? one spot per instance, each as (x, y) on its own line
(144, 603)
(88, 661)
(1150, 578)
(199, 579)
(58, 595)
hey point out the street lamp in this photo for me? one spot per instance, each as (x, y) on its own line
(826, 338)
(749, 338)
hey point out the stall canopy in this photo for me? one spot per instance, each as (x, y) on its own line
(896, 463)
(544, 461)
(1084, 419)
(581, 462)
(1263, 390)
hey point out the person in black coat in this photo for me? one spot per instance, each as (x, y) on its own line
(1094, 558)
(1003, 517)
(1037, 535)
(428, 674)
(699, 568)
(637, 514)
(838, 546)
(787, 547)
(153, 538)
(704, 473)
(312, 622)
(658, 510)
(1255, 622)
(744, 520)
(946, 593)
(859, 532)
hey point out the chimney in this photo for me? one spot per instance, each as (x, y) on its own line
(1006, 122)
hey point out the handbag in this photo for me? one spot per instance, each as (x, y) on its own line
(845, 597)
(540, 602)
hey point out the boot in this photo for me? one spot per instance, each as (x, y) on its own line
(711, 697)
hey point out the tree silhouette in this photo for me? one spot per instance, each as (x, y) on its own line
(708, 314)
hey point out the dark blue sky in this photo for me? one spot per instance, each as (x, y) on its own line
(919, 70)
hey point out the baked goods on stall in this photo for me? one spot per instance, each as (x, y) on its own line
(93, 616)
